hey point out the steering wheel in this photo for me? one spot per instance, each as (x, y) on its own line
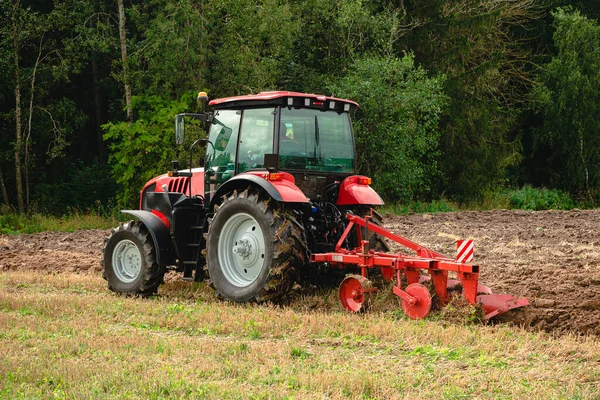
(249, 158)
(289, 147)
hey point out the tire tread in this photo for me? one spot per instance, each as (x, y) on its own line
(154, 273)
(288, 247)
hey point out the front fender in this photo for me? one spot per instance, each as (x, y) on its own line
(163, 245)
(354, 191)
(283, 190)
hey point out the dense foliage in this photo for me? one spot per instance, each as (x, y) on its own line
(397, 137)
(458, 98)
(568, 101)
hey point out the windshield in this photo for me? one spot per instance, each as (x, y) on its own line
(315, 140)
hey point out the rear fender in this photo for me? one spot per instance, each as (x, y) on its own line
(284, 190)
(354, 191)
(163, 245)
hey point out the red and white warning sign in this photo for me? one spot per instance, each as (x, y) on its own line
(464, 250)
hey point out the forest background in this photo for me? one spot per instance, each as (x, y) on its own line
(460, 99)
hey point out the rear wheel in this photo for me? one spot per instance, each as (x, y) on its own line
(254, 248)
(129, 260)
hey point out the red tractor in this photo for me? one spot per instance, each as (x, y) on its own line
(278, 201)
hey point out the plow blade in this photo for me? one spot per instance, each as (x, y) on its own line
(496, 304)
(492, 304)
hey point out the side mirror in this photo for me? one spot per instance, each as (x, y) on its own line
(179, 129)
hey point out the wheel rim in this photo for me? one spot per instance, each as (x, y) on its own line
(127, 261)
(241, 250)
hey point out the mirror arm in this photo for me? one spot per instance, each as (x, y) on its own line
(206, 141)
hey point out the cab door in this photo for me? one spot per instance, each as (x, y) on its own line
(256, 138)
(220, 156)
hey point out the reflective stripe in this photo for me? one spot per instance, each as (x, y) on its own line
(464, 250)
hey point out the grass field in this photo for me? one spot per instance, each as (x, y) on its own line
(66, 336)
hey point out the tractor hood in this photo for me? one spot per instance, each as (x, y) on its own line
(175, 184)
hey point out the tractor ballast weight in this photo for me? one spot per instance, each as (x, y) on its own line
(278, 201)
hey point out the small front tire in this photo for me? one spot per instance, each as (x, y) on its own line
(129, 261)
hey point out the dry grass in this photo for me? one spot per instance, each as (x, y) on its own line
(65, 336)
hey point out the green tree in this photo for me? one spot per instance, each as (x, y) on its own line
(169, 55)
(483, 48)
(41, 117)
(143, 148)
(250, 45)
(568, 100)
(332, 35)
(396, 128)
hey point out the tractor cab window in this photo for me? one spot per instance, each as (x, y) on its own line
(315, 140)
(220, 157)
(256, 138)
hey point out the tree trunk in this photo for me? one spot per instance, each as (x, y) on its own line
(97, 103)
(18, 130)
(123, 40)
(3, 187)
(98, 109)
(30, 121)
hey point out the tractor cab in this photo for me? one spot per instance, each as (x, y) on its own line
(308, 136)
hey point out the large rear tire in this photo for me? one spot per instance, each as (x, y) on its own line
(129, 260)
(254, 247)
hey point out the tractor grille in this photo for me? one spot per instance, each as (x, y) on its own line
(178, 185)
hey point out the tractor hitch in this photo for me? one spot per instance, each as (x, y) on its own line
(427, 269)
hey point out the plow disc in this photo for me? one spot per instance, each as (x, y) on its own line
(355, 293)
(419, 306)
(427, 267)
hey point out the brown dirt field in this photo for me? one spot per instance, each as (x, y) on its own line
(53, 252)
(550, 257)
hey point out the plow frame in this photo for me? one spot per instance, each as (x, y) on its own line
(435, 264)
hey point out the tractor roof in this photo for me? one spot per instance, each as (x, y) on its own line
(292, 99)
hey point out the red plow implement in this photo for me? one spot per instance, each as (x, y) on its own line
(425, 268)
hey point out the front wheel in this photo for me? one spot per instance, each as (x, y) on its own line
(254, 247)
(129, 260)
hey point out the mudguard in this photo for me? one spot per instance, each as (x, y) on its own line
(163, 245)
(354, 190)
(283, 190)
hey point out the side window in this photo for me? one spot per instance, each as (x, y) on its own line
(256, 138)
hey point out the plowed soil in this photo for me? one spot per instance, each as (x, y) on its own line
(550, 257)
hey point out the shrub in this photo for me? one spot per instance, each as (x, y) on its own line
(419, 207)
(529, 198)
